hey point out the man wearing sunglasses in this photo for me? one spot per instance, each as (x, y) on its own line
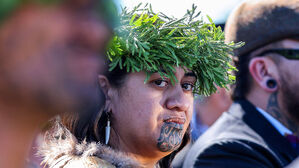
(261, 127)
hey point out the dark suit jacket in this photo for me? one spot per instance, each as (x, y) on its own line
(241, 138)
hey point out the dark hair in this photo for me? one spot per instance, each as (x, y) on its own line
(90, 125)
(243, 78)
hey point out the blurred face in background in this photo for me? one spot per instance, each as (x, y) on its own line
(209, 109)
(50, 57)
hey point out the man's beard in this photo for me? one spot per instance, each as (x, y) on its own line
(290, 98)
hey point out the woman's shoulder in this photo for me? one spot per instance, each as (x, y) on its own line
(61, 149)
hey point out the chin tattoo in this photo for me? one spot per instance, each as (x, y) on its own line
(170, 137)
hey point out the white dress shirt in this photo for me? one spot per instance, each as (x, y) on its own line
(280, 128)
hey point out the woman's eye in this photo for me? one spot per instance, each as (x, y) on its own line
(187, 86)
(161, 83)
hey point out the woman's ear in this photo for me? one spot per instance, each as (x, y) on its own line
(104, 84)
(107, 89)
(262, 71)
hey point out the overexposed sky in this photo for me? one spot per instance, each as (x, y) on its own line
(218, 10)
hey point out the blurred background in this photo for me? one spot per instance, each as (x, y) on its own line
(218, 10)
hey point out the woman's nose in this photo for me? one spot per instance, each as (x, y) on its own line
(178, 100)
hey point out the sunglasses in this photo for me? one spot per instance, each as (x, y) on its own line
(292, 54)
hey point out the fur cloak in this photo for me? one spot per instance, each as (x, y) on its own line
(61, 150)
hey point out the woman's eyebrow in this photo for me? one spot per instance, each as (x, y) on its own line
(191, 74)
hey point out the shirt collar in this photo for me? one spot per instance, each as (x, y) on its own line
(280, 128)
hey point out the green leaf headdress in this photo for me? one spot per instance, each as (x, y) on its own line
(150, 42)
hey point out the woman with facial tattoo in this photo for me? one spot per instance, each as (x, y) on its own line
(156, 64)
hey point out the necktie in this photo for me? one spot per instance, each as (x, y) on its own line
(294, 140)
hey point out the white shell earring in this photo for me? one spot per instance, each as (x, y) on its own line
(107, 130)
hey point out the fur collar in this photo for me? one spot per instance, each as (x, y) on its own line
(61, 146)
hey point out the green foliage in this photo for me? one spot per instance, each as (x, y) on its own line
(150, 42)
(6, 6)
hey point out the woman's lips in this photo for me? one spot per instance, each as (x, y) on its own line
(177, 120)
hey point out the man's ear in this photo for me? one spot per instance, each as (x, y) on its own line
(263, 71)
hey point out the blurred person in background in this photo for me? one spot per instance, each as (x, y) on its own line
(261, 127)
(50, 55)
(207, 110)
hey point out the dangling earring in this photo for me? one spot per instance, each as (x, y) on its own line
(107, 130)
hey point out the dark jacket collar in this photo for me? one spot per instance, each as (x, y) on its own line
(267, 131)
